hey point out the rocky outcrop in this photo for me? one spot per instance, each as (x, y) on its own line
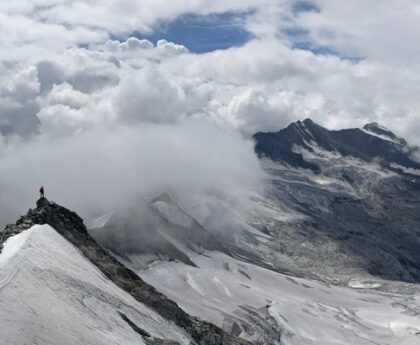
(71, 227)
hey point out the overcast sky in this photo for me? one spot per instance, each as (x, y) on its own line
(86, 85)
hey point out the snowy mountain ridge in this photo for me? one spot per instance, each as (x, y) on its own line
(51, 294)
(69, 240)
(371, 143)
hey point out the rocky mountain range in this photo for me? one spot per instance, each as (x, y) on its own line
(357, 192)
(370, 143)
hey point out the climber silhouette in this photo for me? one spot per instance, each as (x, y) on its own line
(41, 191)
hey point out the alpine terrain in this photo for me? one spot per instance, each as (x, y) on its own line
(328, 252)
(58, 286)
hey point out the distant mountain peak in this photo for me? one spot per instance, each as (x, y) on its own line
(309, 121)
(374, 128)
(377, 127)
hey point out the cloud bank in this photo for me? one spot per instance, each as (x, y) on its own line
(110, 169)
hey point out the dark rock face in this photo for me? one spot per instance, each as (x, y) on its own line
(363, 218)
(279, 146)
(348, 142)
(42, 202)
(345, 235)
(71, 227)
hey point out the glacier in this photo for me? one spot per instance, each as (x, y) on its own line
(228, 292)
(51, 294)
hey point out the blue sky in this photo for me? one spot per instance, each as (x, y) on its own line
(202, 34)
(205, 33)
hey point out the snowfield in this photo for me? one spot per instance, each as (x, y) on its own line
(308, 312)
(51, 294)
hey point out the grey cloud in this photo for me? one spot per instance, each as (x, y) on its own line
(18, 103)
(49, 74)
(109, 169)
(148, 96)
(16, 118)
(89, 81)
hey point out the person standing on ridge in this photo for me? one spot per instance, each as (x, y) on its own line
(41, 191)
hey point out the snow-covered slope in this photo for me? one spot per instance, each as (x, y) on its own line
(271, 308)
(51, 294)
(59, 284)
